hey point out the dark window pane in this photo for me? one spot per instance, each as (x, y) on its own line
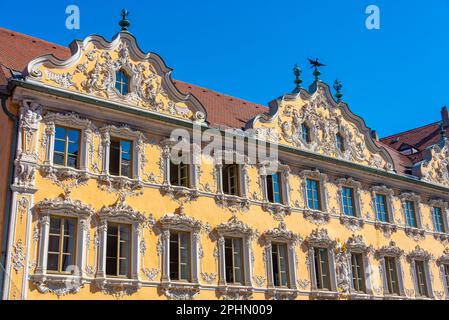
(52, 262)
(60, 146)
(174, 256)
(111, 266)
(60, 133)
(228, 261)
(114, 158)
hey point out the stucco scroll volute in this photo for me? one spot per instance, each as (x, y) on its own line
(435, 165)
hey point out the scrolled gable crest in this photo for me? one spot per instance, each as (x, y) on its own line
(390, 250)
(235, 227)
(120, 211)
(180, 221)
(91, 70)
(324, 118)
(281, 233)
(320, 238)
(419, 254)
(64, 206)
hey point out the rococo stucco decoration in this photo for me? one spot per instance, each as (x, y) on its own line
(91, 70)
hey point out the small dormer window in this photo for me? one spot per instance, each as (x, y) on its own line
(339, 142)
(122, 82)
(305, 133)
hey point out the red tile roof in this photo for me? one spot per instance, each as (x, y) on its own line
(17, 49)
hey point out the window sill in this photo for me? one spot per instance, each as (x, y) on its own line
(58, 284)
(360, 296)
(394, 297)
(277, 209)
(352, 223)
(324, 294)
(282, 293)
(316, 216)
(232, 201)
(179, 192)
(118, 286)
(235, 292)
(386, 227)
(62, 172)
(415, 233)
(441, 236)
(177, 290)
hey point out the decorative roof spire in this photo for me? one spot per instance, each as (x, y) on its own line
(337, 86)
(316, 64)
(124, 23)
(297, 72)
(442, 131)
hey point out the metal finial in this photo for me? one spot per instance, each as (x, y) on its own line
(316, 64)
(337, 86)
(124, 23)
(297, 72)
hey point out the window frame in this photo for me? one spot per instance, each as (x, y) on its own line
(356, 245)
(118, 253)
(69, 121)
(391, 251)
(424, 257)
(66, 146)
(137, 138)
(124, 73)
(60, 252)
(120, 157)
(413, 198)
(388, 194)
(356, 187)
(443, 205)
(321, 178)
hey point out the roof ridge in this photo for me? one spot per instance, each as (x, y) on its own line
(32, 38)
(410, 130)
(220, 93)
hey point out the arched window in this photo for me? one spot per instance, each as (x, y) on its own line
(122, 82)
(305, 133)
(339, 142)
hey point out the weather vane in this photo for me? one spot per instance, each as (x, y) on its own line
(297, 72)
(316, 64)
(124, 23)
(337, 86)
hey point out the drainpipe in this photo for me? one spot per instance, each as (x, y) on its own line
(4, 97)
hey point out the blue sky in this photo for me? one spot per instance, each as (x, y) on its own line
(395, 78)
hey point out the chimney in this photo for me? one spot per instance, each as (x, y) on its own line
(374, 135)
(445, 116)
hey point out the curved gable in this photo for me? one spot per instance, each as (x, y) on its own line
(325, 119)
(92, 68)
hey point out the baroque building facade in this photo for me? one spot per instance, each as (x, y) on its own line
(94, 207)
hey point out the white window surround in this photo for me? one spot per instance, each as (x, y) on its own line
(356, 187)
(284, 172)
(319, 238)
(416, 199)
(441, 262)
(220, 159)
(356, 244)
(389, 193)
(419, 254)
(281, 235)
(72, 121)
(313, 131)
(180, 222)
(237, 229)
(443, 205)
(62, 208)
(194, 161)
(322, 178)
(120, 213)
(138, 146)
(391, 250)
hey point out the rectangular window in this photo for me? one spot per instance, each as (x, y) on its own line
(179, 256)
(438, 219)
(61, 244)
(381, 207)
(347, 198)
(410, 214)
(234, 260)
(421, 279)
(322, 269)
(179, 175)
(280, 264)
(313, 194)
(274, 188)
(120, 158)
(231, 179)
(358, 272)
(391, 273)
(118, 250)
(66, 149)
